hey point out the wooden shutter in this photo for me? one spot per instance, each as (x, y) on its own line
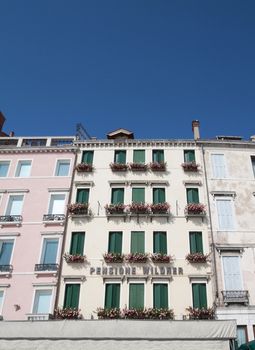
(120, 157)
(139, 156)
(159, 242)
(138, 195)
(87, 157)
(232, 273)
(137, 242)
(72, 294)
(196, 242)
(117, 196)
(189, 156)
(112, 296)
(225, 214)
(192, 195)
(160, 296)
(82, 195)
(136, 296)
(159, 195)
(77, 243)
(199, 295)
(218, 165)
(158, 156)
(115, 242)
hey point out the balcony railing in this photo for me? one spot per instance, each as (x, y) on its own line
(235, 296)
(10, 218)
(53, 217)
(39, 317)
(46, 267)
(6, 268)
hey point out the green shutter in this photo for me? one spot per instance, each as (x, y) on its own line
(136, 296)
(115, 242)
(158, 156)
(77, 243)
(112, 296)
(137, 242)
(159, 195)
(120, 157)
(199, 295)
(138, 195)
(189, 156)
(160, 296)
(117, 196)
(82, 195)
(72, 294)
(192, 195)
(139, 156)
(159, 242)
(87, 157)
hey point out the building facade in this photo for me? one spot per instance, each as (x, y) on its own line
(35, 179)
(137, 230)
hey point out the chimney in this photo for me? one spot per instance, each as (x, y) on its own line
(195, 129)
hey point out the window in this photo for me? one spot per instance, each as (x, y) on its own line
(199, 295)
(160, 296)
(6, 247)
(195, 242)
(192, 195)
(189, 155)
(232, 273)
(57, 204)
(137, 242)
(218, 166)
(4, 167)
(159, 195)
(82, 195)
(42, 301)
(158, 156)
(225, 214)
(138, 195)
(136, 296)
(252, 163)
(62, 168)
(72, 295)
(77, 243)
(115, 242)
(159, 242)
(112, 296)
(1, 300)
(49, 251)
(242, 336)
(120, 157)
(117, 196)
(87, 157)
(14, 206)
(23, 168)
(139, 156)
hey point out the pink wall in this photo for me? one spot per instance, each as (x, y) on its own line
(28, 236)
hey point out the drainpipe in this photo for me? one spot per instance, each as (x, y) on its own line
(211, 229)
(64, 235)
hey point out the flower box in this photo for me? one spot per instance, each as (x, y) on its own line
(159, 208)
(148, 314)
(110, 314)
(139, 208)
(155, 166)
(113, 258)
(84, 168)
(201, 314)
(74, 258)
(78, 209)
(67, 314)
(115, 209)
(190, 166)
(160, 258)
(197, 258)
(138, 166)
(119, 167)
(195, 209)
(136, 257)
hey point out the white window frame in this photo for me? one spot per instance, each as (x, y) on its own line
(8, 171)
(49, 201)
(8, 201)
(222, 269)
(226, 168)
(18, 167)
(51, 237)
(230, 199)
(1, 305)
(59, 160)
(52, 298)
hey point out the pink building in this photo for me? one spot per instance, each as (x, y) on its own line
(35, 179)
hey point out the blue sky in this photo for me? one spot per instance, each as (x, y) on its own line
(148, 66)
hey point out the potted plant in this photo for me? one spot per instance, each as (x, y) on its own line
(197, 258)
(119, 167)
(138, 166)
(201, 313)
(110, 314)
(78, 208)
(113, 258)
(156, 166)
(160, 258)
(84, 167)
(136, 257)
(160, 208)
(139, 208)
(67, 314)
(190, 166)
(159, 314)
(134, 314)
(195, 209)
(115, 208)
(74, 258)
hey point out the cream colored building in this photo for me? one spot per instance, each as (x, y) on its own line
(176, 284)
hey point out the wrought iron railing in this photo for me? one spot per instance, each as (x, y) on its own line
(235, 296)
(10, 218)
(53, 217)
(46, 267)
(6, 268)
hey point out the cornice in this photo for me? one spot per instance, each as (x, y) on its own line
(134, 143)
(18, 150)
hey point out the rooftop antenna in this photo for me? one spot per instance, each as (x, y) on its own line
(81, 133)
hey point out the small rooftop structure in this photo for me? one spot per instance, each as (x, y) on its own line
(120, 134)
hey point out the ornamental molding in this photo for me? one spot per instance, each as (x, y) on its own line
(223, 194)
(84, 183)
(134, 143)
(37, 150)
(192, 183)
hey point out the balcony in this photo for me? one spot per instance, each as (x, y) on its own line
(78, 209)
(190, 166)
(235, 297)
(53, 217)
(10, 220)
(195, 210)
(6, 268)
(84, 168)
(46, 267)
